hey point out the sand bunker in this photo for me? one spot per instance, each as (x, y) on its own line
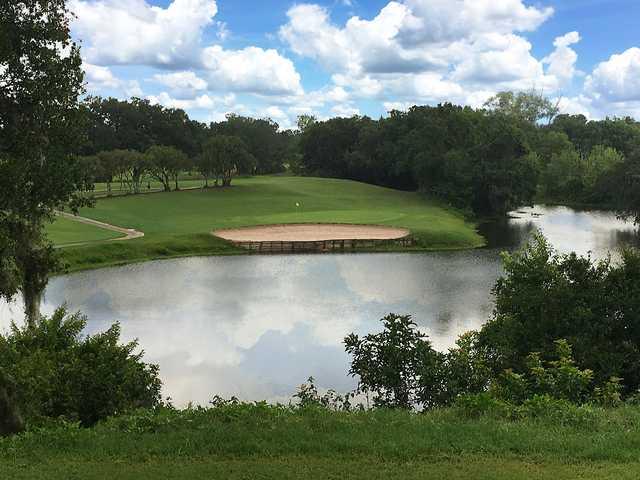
(311, 233)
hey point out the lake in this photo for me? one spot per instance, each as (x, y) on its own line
(257, 326)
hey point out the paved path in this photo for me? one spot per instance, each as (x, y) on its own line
(129, 233)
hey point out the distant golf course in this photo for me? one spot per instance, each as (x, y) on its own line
(177, 224)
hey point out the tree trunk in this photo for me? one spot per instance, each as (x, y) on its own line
(176, 180)
(10, 418)
(32, 301)
(35, 258)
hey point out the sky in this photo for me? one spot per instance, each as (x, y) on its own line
(281, 58)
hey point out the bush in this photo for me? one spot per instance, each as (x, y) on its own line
(60, 373)
(10, 419)
(593, 305)
(398, 366)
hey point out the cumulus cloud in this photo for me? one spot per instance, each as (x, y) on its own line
(202, 102)
(99, 78)
(135, 32)
(184, 84)
(562, 61)
(251, 69)
(432, 50)
(617, 79)
(614, 85)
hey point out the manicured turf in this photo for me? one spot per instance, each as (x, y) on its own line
(179, 223)
(262, 442)
(64, 231)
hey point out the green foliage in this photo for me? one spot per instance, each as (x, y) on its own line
(60, 373)
(398, 366)
(166, 164)
(531, 107)
(593, 305)
(128, 166)
(308, 396)
(473, 159)
(560, 379)
(222, 157)
(40, 129)
(137, 125)
(10, 419)
(269, 148)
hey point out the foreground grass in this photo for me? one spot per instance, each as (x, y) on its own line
(179, 223)
(260, 441)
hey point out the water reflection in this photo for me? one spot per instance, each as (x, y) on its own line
(258, 326)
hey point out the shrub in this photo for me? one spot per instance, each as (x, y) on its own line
(10, 418)
(60, 373)
(594, 305)
(398, 366)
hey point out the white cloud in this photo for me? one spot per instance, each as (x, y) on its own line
(135, 32)
(562, 61)
(100, 78)
(431, 50)
(184, 84)
(202, 102)
(617, 79)
(436, 21)
(251, 69)
(346, 110)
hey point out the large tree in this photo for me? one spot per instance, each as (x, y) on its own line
(222, 157)
(40, 129)
(166, 164)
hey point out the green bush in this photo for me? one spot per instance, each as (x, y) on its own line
(397, 366)
(544, 296)
(60, 373)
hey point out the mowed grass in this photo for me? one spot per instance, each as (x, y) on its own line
(179, 223)
(64, 232)
(263, 442)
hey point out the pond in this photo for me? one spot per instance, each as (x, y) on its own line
(257, 326)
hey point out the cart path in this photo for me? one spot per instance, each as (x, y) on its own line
(129, 233)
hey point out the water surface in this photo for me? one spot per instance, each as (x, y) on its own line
(258, 326)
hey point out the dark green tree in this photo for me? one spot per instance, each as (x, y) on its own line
(544, 296)
(166, 164)
(397, 366)
(41, 128)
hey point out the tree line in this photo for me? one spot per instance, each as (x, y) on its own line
(128, 141)
(515, 150)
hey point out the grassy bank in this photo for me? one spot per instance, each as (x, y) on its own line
(276, 442)
(179, 223)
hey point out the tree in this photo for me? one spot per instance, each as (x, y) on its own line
(601, 161)
(543, 297)
(127, 165)
(60, 372)
(398, 366)
(166, 164)
(222, 157)
(262, 139)
(531, 107)
(40, 129)
(137, 125)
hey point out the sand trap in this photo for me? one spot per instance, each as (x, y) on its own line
(311, 233)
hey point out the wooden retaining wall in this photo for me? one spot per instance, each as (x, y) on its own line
(321, 245)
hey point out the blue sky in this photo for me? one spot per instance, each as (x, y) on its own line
(329, 58)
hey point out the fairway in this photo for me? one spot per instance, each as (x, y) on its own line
(65, 232)
(179, 223)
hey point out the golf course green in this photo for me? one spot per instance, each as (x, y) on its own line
(179, 223)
